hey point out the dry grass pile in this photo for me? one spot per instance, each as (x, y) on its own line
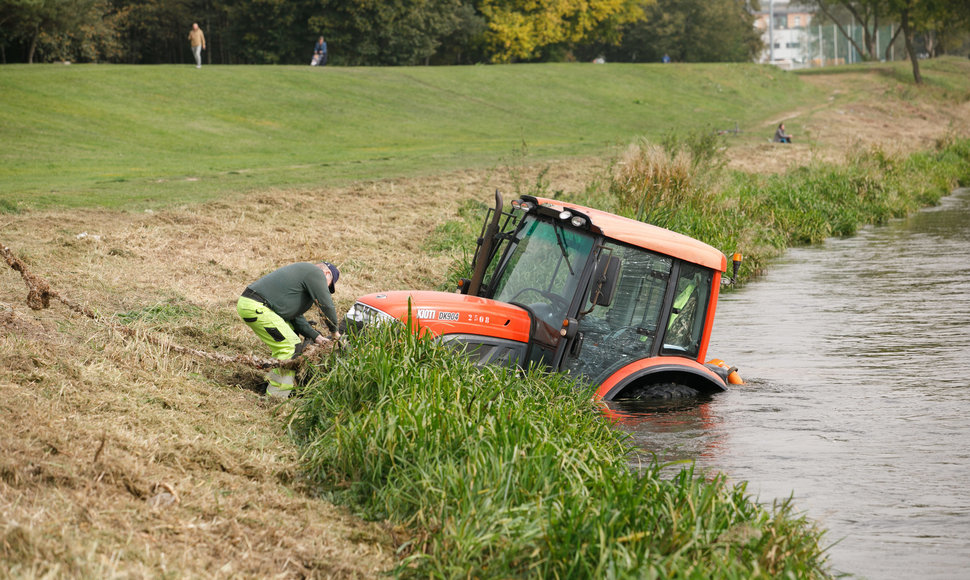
(112, 466)
(121, 458)
(650, 179)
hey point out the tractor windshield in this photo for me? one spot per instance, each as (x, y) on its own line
(542, 269)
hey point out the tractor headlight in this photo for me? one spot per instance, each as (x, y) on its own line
(363, 315)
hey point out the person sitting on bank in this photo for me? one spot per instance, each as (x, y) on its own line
(319, 53)
(781, 136)
(273, 308)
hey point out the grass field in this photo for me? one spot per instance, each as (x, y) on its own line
(130, 136)
(156, 206)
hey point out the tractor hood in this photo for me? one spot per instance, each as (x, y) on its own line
(442, 313)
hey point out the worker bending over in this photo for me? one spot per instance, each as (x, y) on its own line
(273, 307)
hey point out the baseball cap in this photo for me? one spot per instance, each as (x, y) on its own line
(335, 272)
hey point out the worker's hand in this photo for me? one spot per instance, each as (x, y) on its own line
(319, 339)
(335, 335)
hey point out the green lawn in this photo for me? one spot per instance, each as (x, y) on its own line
(144, 136)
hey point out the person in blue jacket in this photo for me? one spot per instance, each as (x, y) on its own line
(319, 53)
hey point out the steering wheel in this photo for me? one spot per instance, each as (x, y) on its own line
(557, 300)
(622, 331)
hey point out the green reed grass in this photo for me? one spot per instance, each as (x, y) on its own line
(761, 215)
(652, 182)
(487, 473)
(681, 185)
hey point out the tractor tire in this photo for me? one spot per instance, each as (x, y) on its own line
(663, 392)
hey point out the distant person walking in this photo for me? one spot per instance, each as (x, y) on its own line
(197, 42)
(319, 53)
(781, 136)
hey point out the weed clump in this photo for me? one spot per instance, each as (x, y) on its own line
(653, 183)
(483, 472)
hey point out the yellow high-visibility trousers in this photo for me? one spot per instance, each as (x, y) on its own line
(279, 335)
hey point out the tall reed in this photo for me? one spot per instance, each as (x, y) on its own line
(488, 473)
(761, 215)
(653, 183)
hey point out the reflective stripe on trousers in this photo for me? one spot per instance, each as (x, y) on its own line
(278, 335)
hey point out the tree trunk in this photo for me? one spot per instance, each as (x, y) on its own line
(33, 47)
(871, 46)
(908, 37)
(889, 47)
(930, 43)
(869, 40)
(845, 33)
(868, 34)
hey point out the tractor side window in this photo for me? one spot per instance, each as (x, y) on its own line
(625, 330)
(685, 326)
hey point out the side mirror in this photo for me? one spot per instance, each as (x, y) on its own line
(604, 280)
(735, 265)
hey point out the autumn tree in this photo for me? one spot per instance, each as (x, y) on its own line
(520, 29)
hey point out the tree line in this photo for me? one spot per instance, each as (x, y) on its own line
(376, 32)
(436, 32)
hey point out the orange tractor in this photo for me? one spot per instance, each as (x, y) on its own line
(622, 305)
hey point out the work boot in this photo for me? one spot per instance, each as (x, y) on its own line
(276, 392)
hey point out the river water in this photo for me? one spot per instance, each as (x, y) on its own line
(857, 354)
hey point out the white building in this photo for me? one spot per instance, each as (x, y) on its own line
(785, 29)
(795, 39)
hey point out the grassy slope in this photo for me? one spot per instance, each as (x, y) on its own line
(114, 135)
(98, 426)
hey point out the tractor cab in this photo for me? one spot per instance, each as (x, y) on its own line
(622, 305)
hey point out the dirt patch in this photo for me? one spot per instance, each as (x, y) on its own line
(121, 459)
(875, 113)
(13, 324)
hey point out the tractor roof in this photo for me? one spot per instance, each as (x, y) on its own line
(647, 236)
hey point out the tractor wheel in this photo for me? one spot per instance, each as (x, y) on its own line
(663, 391)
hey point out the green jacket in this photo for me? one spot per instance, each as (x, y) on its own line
(292, 290)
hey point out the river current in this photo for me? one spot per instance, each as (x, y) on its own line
(857, 357)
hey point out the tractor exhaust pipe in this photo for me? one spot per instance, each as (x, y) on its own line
(485, 248)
